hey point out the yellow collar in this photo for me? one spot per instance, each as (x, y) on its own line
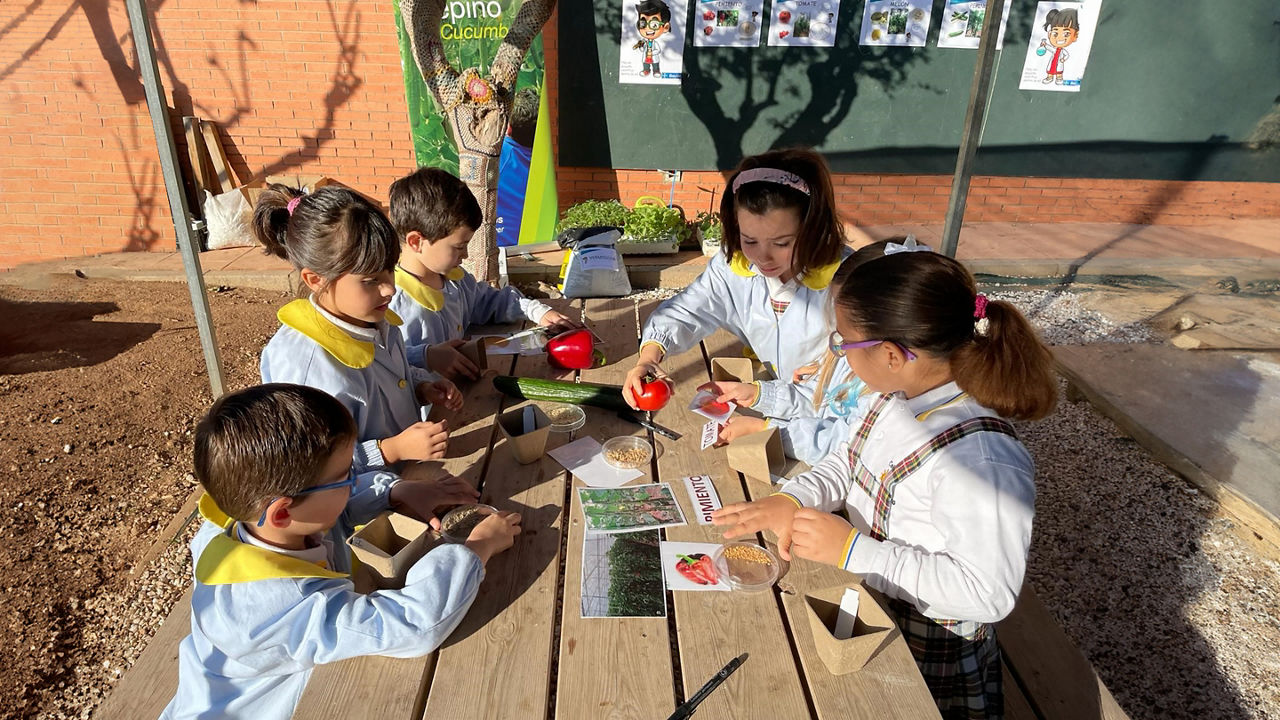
(226, 560)
(421, 293)
(302, 315)
(816, 279)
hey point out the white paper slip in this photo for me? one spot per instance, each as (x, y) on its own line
(703, 497)
(848, 614)
(687, 566)
(704, 403)
(710, 432)
(583, 458)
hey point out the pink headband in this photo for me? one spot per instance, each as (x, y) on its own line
(770, 175)
(293, 205)
(980, 306)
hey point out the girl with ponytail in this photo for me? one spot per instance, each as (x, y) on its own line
(939, 492)
(344, 339)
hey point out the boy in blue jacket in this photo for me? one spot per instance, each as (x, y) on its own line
(435, 214)
(272, 596)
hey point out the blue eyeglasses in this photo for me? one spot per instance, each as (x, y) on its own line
(838, 346)
(349, 482)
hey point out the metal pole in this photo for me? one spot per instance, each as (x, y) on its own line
(979, 93)
(141, 27)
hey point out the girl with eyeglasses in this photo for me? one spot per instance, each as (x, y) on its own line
(938, 491)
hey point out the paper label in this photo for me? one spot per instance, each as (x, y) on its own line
(599, 259)
(705, 404)
(848, 614)
(710, 432)
(703, 497)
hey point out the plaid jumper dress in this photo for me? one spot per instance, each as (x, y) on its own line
(959, 659)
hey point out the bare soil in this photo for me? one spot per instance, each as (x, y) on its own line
(101, 384)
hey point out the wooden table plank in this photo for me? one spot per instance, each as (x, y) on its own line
(609, 667)
(150, 684)
(889, 686)
(714, 627)
(498, 662)
(396, 687)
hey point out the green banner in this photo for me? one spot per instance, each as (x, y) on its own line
(471, 32)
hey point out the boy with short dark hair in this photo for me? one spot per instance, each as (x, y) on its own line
(272, 596)
(435, 215)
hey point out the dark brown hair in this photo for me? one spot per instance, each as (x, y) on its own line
(821, 234)
(434, 203)
(1069, 19)
(827, 366)
(925, 301)
(265, 442)
(332, 231)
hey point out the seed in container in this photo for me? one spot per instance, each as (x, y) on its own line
(627, 452)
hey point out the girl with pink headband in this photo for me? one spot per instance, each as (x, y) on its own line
(938, 491)
(782, 243)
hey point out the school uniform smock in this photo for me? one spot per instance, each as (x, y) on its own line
(956, 529)
(261, 620)
(435, 316)
(366, 369)
(808, 433)
(733, 296)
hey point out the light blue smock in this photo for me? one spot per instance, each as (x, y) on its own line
(366, 369)
(262, 620)
(807, 433)
(435, 316)
(732, 296)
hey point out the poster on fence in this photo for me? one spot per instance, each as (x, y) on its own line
(652, 51)
(727, 23)
(471, 33)
(804, 23)
(1061, 37)
(896, 23)
(962, 23)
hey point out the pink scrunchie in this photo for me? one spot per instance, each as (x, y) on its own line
(980, 306)
(293, 205)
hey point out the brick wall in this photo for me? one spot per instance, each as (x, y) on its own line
(314, 87)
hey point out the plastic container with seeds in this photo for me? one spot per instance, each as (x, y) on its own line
(627, 452)
(457, 524)
(566, 418)
(747, 566)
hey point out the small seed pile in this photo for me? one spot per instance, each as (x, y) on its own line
(460, 523)
(562, 415)
(627, 458)
(748, 564)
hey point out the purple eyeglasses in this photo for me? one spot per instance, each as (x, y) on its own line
(838, 346)
(349, 482)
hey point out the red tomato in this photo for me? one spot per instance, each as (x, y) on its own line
(784, 16)
(653, 395)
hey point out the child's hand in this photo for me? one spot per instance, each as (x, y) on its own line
(494, 534)
(441, 392)
(421, 441)
(422, 498)
(772, 513)
(445, 359)
(803, 373)
(560, 323)
(819, 536)
(739, 426)
(744, 394)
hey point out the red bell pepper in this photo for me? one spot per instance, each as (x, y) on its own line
(697, 568)
(573, 350)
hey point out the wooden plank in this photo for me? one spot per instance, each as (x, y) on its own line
(1016, 705)
(498, 662)
(890, 685)
(196, 155)
(714, 627)
(150, 684)
(398, 686)
(1057, 678)
(222, 176)
(609, 667)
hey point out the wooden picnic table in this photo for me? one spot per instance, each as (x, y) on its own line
(525, 651)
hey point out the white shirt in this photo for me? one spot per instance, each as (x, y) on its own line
(960, 526)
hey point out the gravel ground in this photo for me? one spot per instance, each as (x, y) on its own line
(1177, 613)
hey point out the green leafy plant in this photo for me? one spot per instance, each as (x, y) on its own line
(710, 226)
(653, 223)
(594, 213)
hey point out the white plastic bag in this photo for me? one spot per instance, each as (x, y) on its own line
(227, 218)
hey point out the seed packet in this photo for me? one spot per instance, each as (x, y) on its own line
(706, 405)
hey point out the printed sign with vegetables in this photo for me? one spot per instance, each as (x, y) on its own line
(728, 23)
(901, 23)
(810, 23)
(962, 23)
(688, 566)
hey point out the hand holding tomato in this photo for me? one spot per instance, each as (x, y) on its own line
(654, 394)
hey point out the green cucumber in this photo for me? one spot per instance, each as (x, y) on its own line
(608, 397)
